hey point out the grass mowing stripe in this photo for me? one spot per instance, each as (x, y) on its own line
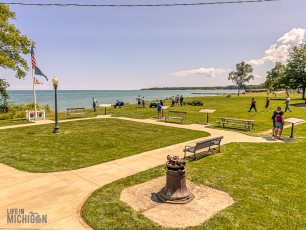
(267, 182)
(84, 143)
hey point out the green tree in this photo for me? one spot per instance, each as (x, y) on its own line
(274, 79)
(12, 46)
(295, 71)
(242, 75)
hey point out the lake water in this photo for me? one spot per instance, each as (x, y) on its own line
(83, 98)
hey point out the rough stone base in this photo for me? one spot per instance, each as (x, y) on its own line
(206, 203)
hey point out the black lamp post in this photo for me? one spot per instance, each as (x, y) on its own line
(55, 84)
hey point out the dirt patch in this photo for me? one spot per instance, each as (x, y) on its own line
(207, 202)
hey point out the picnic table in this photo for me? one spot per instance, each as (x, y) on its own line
(207, 111)
(237, 122)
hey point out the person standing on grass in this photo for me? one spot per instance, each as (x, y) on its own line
(143, 102)
(181, 100)
(94, 104)
(138, 99)
(287, 104)
(279, 125)
(177, 99)
(267, 103)
(253, 104)
(172, 101)
(159, 110)
(273, 118)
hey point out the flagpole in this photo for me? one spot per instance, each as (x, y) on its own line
(34, 92)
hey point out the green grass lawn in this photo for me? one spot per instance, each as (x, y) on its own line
(13, 122)
(236, 107)
(267, 182)
(298, 130)
(84, 143)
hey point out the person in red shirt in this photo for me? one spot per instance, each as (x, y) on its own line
(253, 104)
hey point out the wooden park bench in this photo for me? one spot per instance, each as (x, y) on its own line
(236, 122)
(176, 115)
(204, 144)
(76, 111)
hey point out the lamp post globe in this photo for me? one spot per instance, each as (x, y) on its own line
(55, 84)
(55, 81)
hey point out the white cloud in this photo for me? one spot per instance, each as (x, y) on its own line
(279, 52)
(205, 72)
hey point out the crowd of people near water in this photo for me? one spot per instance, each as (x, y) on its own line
(178, 100)
(141, 101)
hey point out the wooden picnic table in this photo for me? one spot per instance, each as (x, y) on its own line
(237, 121)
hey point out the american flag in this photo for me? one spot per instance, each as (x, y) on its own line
(33, 58)
(36, 81)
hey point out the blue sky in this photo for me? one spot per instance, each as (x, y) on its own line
(133, 48)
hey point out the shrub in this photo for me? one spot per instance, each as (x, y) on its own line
(18, 110)
(195, 103)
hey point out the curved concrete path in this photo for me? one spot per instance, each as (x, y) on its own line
(60, 195)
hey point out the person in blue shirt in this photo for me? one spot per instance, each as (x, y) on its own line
(159, 110)
(94, 104)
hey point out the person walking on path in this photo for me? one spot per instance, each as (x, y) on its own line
(287, 104)
(267, 103)
(253, 104)
(279, 125)
(273, 118)
(159, 110)
(181, 100)
(94, 104)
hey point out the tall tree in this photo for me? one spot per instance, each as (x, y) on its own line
(295, 72)
(12, 46)
(242, 75)
(275, 77)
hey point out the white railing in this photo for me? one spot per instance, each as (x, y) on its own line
(40, 115)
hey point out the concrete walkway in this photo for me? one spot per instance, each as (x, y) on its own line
(61, 195)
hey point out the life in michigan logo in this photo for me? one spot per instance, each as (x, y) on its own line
(18, 216)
